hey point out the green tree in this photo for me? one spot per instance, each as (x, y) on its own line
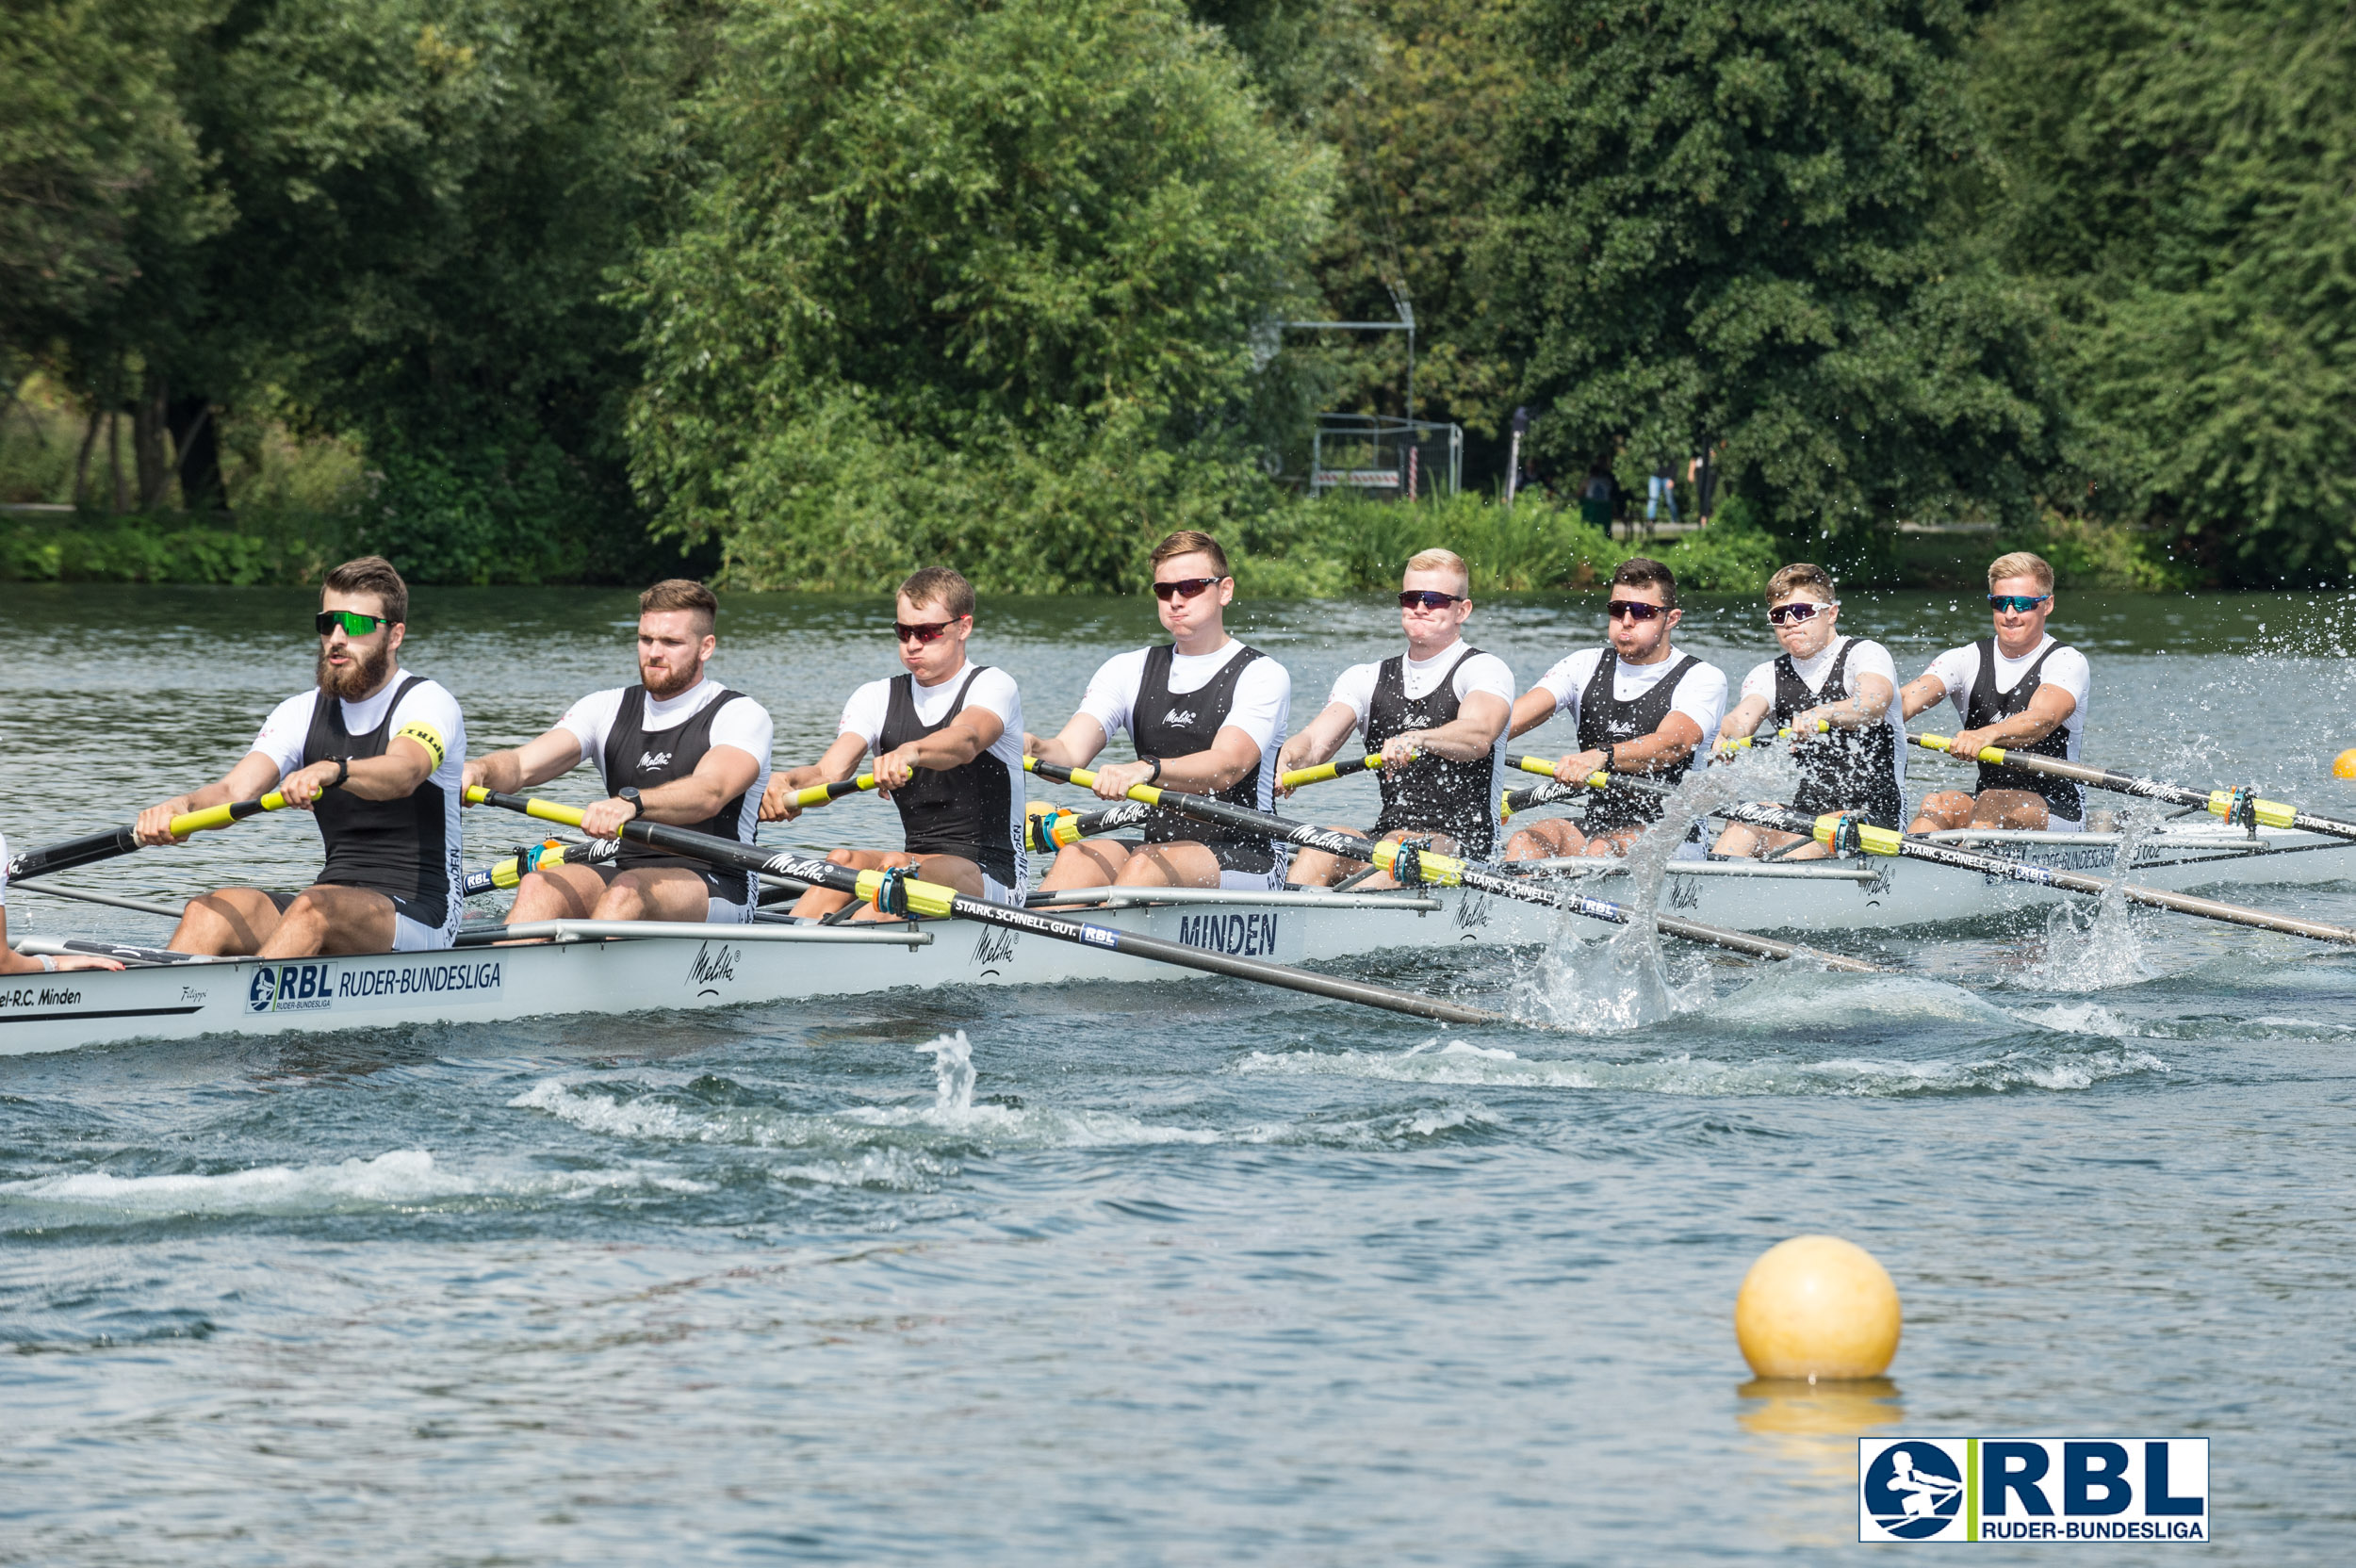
(1725, 229)
(975, 283)
(2178, 173)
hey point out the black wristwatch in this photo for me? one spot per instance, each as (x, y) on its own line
(628, 793)
(1158, 768)
(343, 770)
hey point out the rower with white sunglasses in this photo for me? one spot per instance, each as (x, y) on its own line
(1848, 685)
(1642, 708)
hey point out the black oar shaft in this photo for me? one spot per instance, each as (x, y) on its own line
(73, 852)
(1357, 846)
(814, 873)
(2229, 804)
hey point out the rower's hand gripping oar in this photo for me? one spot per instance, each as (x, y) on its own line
(1408, 866)
(2240, 807)
(898, 891)
(531, 857)
(1372, 761)
(93, 847)
(1844, 835)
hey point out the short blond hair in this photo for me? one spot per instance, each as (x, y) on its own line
(1437, 560)
(1799, 574)
(2021, 563)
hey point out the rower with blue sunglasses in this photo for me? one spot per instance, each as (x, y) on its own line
(1640, 707)
(1436, 714)
(2019, 690)
(1837, 696)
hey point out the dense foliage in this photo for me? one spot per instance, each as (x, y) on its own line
(822, 290)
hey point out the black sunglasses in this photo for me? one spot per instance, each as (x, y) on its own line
(1427, 598)
(929, 632)
(1634, 610)
(1186, 587)
(354, 623)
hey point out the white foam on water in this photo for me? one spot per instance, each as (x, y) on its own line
(1813, 1002)
(2098, 951)
(1686, 1075)
(401, 1178)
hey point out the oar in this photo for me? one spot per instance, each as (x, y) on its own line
(2239, 807)
(818, 794)
(1323, 771)
(531, 857)
(898, 893)
(93, 847)
(1741, 742)
(1047, 828)
(1408, 866)
(1844, 835)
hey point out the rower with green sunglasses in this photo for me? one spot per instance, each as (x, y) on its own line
(375, 754)
(2019, 690)
(1640, 707)
(1436, 714)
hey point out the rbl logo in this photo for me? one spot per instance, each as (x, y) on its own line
(278, 988)
(2033, 1489)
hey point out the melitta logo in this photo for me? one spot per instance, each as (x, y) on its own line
(2033, 1489)
(649, 760)
(1182, 719)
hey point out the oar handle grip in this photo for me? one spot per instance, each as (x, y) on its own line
(546, 810)
(222, 816)
(818, 794)
(1994, 756)
(1085, 778)
(1323, 771)
(1543, 769)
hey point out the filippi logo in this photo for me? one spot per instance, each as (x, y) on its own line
(2033, 1489)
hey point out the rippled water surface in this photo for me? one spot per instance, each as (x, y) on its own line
(1176, 1273)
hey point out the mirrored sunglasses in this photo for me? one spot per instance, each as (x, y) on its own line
(1185, 588)
(1427, 598)
(1633, 609)
(930, 633)
(354, 623)
(2019, 604)
(1799, 610)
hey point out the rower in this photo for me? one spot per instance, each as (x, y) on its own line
(1437, 713)
(13, 962)
(376, 755)
(1207, 715)
(1640, 707)
(948, 738)
(678, 748)
(1856, 767)
(2019, 690)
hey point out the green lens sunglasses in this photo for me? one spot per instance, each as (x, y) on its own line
(354, 623)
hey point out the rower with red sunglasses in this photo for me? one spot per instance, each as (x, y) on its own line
(375, 754)
(1858, 764)
(948, 738)
(1640, 707)
(1207, 715)
(1437, 713)
(2019, 690)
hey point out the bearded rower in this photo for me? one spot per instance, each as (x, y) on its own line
(948, 738)
(2020, 691)
(376, 755)
(1858, 766)
(1437, 713)
(1207, 715)
(1640, 707)
(678, 748)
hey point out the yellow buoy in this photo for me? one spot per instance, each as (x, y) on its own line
(1817, 1307)
(2343, 765)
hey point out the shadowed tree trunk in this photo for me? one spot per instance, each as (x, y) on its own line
(196, 442)
(148, 456)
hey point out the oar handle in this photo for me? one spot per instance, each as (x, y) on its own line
(1323, 771)
(532, 857)
(818, 794)
(1745, 743)
(1543, 769)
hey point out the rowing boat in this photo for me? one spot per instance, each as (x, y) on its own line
(620, 967)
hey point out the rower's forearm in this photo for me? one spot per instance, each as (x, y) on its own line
(1648, 754)
(382, 778)
(1458, 742)
(683, 801)
(1200, 773)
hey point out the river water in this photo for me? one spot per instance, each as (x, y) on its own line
(1178, 1273)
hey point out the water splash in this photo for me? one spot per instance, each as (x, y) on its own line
(1628, 981)
(952, 1075)
(2090, 953)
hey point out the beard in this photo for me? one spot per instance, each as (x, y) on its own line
(356, 680)
(662, 685)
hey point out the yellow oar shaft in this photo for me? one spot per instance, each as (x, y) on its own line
(2234, 806)
(818, 794)
(1342, 768)
(222, 816)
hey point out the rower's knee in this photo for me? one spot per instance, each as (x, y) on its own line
(1941, 810)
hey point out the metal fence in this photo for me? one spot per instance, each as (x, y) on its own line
(1394, 458)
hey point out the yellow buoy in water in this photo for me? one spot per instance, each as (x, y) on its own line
(1817, 1307)
(2343, 765)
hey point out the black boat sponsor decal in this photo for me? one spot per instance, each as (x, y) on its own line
(1472, 909)
(41, 996)
(318, 986)
(1244, 935)
(707, 968)
(995, 945)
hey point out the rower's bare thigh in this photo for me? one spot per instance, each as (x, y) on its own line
(1090, 863)
(2024, 810)
(655, 892)
(1941, 810)
(557, 892)
(1439, 843)
(329, 918)
(228, 921)
(1323, 867)
(1180, 864)
(1545, 839)
(821, 902)
(950, 870)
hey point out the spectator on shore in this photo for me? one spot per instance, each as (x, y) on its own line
(1664, 485)
(1595, 497)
